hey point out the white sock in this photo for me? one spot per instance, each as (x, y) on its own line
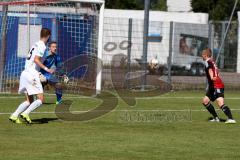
(33, 106)
(22, 107)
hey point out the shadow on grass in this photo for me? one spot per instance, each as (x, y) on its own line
(221, 119)
(44, 120)
(48, 103)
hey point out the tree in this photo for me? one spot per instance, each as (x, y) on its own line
(217, 9)
(159, 5)
(136, 4)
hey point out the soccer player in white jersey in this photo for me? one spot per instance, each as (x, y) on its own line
(29, 80)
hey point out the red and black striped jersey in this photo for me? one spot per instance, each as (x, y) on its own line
(218, 83)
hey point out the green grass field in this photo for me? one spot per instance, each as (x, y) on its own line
(165, 127)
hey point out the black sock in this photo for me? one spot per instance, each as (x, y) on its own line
(227, 111)
(211, 109)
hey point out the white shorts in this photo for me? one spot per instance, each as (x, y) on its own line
(30, 83)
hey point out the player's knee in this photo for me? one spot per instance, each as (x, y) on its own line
(27, 103)
(40, 101)
(41, 98)
(205, 101)
(220, 102)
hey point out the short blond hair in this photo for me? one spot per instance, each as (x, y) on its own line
(207, 52)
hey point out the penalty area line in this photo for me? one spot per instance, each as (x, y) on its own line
(174, 110)
(147, 98)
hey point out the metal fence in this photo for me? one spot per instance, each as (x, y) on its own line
(173, 58)
(174, 53)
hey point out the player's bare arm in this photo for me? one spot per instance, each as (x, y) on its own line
(210, 71)
(37, 60)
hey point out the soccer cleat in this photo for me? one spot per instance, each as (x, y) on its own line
(15, 120)
(216, 119)
(230, 121)
(59, 102)
(26, 118)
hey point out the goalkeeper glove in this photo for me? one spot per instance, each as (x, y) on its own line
(42, 78)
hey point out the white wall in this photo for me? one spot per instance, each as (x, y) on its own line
(179, 5)
(201, 18)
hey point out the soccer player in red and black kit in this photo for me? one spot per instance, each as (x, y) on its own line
(215, 89)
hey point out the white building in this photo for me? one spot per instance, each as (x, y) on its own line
(179, 5)
(116, 31)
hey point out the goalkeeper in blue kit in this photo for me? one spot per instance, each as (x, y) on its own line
(53, 61)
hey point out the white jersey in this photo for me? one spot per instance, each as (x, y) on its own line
(37, 49)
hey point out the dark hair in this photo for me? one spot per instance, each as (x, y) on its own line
(52, 42)
(45, 32)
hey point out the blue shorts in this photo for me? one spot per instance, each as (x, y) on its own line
(51, 79)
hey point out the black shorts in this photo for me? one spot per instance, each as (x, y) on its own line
(215, 93)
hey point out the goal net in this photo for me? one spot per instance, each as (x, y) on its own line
(76, 26)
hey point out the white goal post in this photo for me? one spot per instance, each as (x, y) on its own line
(77, 27)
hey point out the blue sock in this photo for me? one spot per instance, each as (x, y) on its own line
(59, 94)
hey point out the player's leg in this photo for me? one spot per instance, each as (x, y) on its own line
(34, 105)
(226, 110)
(24, 105)
(35, 89)
(21, 108)
(58, 88)
(207, 103)
(44, 84)
(58, 92)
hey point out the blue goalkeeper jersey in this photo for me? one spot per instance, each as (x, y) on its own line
(52, 61)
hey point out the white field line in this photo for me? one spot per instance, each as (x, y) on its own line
(147, 98)
(183, 110)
